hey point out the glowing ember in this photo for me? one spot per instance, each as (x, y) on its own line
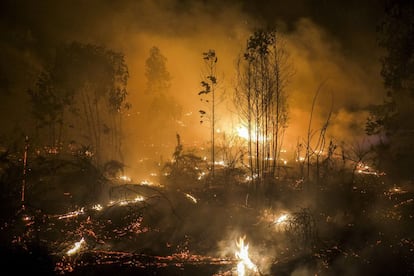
(362, 168)
(243, 256)
(250, 178)
(125, 202)
(72, 214)
(192, 198)
(26, 218)
(97, 207)
(201, 175)
(220, 163)
(78, 245)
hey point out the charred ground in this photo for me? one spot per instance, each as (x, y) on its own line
(350, 223)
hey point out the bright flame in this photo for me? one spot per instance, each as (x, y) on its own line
(281, 219)
(191, 197)
(243, 256)
(125, 178)
(139, 198)
(243, 132)
(221, 163)
(76, 247)
(250, 178)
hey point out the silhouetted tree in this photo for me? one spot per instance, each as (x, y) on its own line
(393, 119)
(90, 82)
(164, 109)
(264, 72)
(209, 85)
(48, 107)
(158, 77)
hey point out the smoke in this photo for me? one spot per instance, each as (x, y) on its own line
(347, 85)
(183, 30)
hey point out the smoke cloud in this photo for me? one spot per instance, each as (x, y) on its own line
(183, 30)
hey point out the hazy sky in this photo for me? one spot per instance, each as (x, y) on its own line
(331, 41)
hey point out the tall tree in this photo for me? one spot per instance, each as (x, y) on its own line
(48, 107)
(90, 82)
(393, 119)
(264, 72)
(164, 109)
(209, 86)
(158, 77)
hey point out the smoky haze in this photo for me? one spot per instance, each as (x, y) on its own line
(338, 51)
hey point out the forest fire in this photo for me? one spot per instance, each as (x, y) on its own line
(129, 148)
(242, 255)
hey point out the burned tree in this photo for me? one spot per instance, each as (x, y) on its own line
(209, 86)
(85, 87)
(264, 72)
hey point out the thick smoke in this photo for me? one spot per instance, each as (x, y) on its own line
(183, 30)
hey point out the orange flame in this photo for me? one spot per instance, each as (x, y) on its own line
(243, 256)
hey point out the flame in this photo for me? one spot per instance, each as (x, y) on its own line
(220, 163)
(125, 178)
(300, 159)
(139, 198)
(243, 256)
(76, 247)
(282, 218)
(362, 168)
(243, 132)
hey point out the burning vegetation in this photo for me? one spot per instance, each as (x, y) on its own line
(245, 199)
(179, 223)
